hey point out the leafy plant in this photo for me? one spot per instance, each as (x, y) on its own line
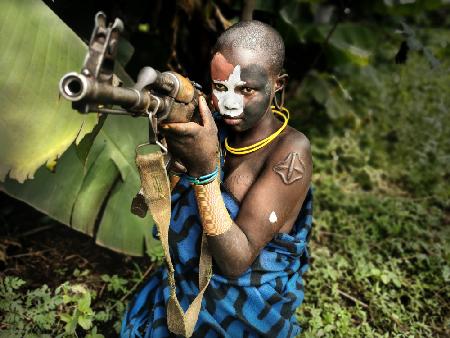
(380, 244)
(68, 310)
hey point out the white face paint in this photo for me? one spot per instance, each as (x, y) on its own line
(273, 217)
(230, 102)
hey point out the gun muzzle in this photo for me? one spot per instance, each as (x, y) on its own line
(73, 86)
(77, 87)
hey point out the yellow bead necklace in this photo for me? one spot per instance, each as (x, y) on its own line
(260, 144)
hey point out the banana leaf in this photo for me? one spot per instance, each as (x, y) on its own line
(92, 192)
(349, 43)
(37, 126)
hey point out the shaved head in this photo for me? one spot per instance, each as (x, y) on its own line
(256, 36)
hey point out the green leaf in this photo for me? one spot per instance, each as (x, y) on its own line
(67, 299)
(84, 304)
(65, 317)
(124, 51)
(446, 273)
(94, 334)
(71, 325)
(37, 125)
(83, 148)
(375, 272)
(348, 43)
(396, 281)
(385, 278)
(392, 7)
(14, 283)
(84, 322)
(97, 196)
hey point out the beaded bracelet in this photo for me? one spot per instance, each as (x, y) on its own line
(205, 179)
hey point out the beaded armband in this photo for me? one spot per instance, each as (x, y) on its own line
(205, 179)
(214, 216)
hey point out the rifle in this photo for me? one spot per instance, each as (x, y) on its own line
(160, 96)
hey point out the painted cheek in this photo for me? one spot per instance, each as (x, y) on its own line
(257, 106)
(230, 102)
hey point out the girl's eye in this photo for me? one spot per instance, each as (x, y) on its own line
(247, 90)
(219, 86)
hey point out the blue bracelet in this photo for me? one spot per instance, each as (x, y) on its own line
(205, 179)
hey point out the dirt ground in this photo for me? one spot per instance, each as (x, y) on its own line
(42, 251)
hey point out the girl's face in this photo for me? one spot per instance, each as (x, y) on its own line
(242, 88)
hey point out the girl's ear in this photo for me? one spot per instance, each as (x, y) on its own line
(281, 82)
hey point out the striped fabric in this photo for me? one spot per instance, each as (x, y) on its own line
(260, 303)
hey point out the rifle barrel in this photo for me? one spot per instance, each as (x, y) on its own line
(77, 87)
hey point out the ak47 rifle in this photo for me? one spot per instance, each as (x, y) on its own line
(160, 96)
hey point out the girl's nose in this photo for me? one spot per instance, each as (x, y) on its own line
(232, 101)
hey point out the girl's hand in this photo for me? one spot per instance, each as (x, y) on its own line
(196, 145)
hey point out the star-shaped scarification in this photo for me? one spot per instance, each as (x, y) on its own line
(291, 169)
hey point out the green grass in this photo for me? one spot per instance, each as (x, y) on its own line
(380, 245)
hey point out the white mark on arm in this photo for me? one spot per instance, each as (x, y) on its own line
(273, 217)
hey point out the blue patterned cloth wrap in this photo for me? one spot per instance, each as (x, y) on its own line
(260, 303)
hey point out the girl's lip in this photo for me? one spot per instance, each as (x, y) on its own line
(229, 117)
(232, 121)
